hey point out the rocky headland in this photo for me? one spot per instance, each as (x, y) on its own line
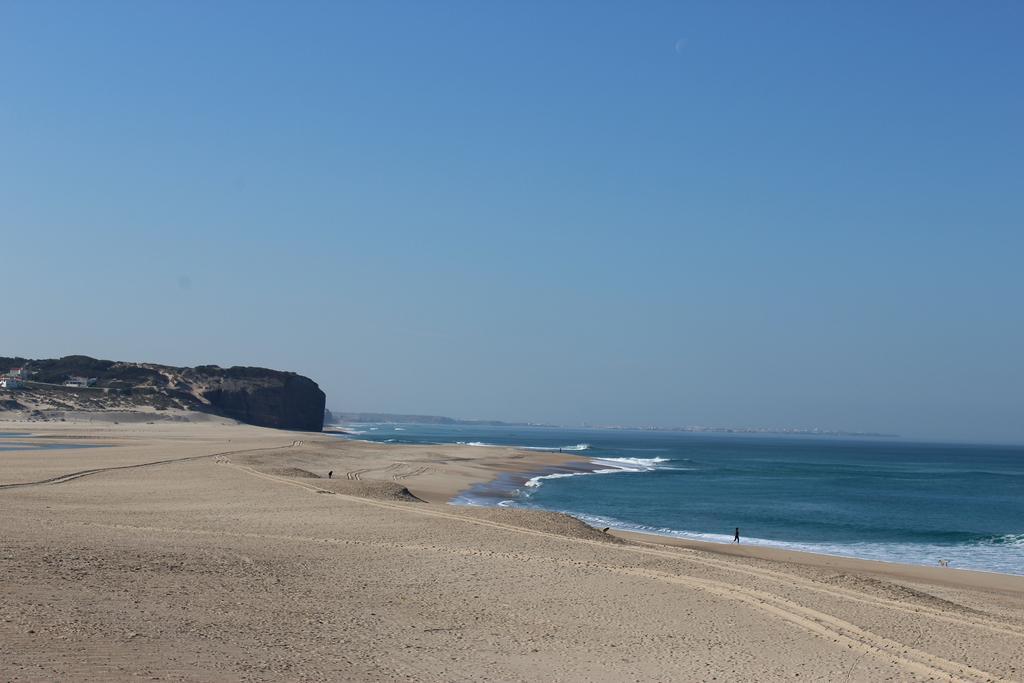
(57, 388)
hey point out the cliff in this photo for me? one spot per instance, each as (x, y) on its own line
(258, 396)
(263, 397)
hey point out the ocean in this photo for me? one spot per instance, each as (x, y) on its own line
(877, 499)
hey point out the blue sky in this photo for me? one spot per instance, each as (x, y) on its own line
(763, 214)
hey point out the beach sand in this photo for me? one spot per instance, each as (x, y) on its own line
(234, 558)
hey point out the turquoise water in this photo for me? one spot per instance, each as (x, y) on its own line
(887, 500)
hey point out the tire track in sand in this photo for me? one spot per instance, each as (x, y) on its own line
(71, 476)
(411, 473)
(357, 475)
(973, 620)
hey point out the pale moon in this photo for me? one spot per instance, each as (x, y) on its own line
(680, 46)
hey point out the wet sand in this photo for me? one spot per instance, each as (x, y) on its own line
(234, 558)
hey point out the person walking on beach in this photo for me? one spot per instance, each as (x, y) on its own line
(330, 475)
(736, 537)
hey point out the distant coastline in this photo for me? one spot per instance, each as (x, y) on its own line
(343, 417)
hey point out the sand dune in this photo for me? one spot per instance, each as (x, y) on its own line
(219, 552)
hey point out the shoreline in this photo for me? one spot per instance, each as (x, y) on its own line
(222, 552)
(940, 576)
(465, 474)
(947, 576)
(513, 474)
(496, 475)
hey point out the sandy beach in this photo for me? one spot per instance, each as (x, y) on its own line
(215, 551)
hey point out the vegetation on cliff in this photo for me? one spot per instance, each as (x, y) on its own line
(258, 396)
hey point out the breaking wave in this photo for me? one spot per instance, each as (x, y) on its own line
(573, 448)
(605, 466)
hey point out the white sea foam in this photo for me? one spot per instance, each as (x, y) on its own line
(575, 447)
(535, 481)
(1000, 554)
(608, 466)
(632, 464)
(1016, 540)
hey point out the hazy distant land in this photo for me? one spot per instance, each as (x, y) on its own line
(343, 417)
